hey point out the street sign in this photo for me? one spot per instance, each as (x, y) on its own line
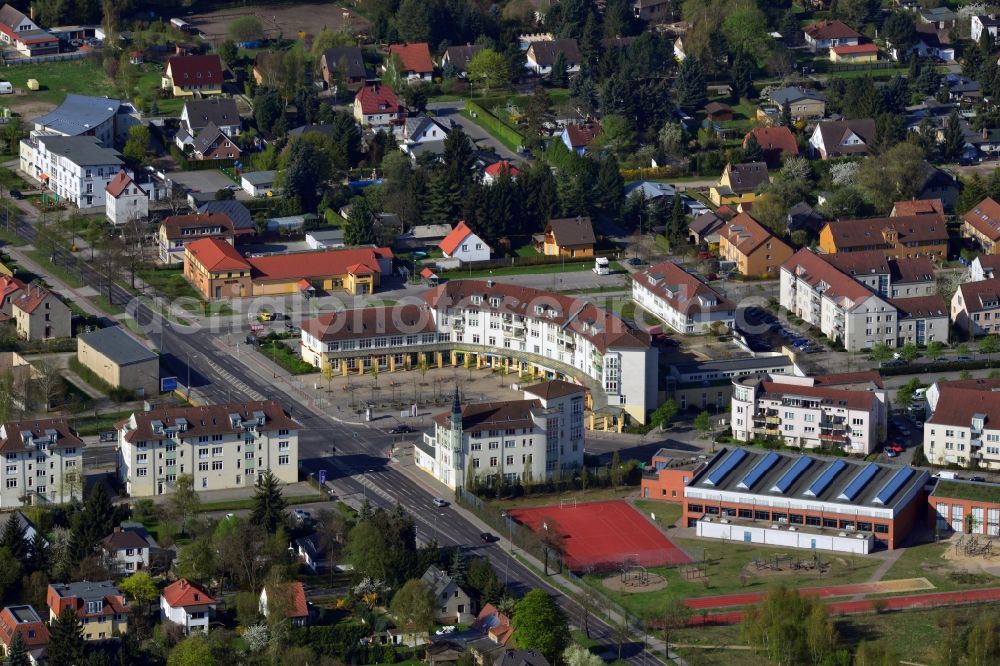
(168, 384)
(322, 477)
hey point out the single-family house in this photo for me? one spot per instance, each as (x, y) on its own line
(854, 54)
(773, 141)
(654, 11)
(100, 606)
(541, 56)
(176, 231)
(187, 604)
(452, 604)
(126, 550)
(463, 244)
(975, 308)
(237, 212)
(801, 103)
(754, 249)
(311, 552)
(41, 315)
(34, 632)
(125, 200)
(984, 267)
(457, 58)
(718, 112)
(978, 24)
(941, 18)
(569, 237)
(930, 42)
(704, 228)
(414, 60)
(211, 143)
(24, 35)
(839, 138)
(649, 190)
(819, 37)
(494, 624)
(739, 183)
(288, 599)
(939, 184)
(376, 106)
(343, 66)
(578, 136)
(198, 114)
(189, 74)
(258, 183)
(492, 171)
(421, 134)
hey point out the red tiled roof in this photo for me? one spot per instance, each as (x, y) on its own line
(682, 291)
(494, 415)
(494, 169)
(183, 593)
(842, 378)
(321, 263)
(985, 218)
(918, 207)
(851, 49)
(747, 234)
(208, 420)
(64, 595)
(428, 273)
(195, 70)
(415, 57)
(831, 30)
(119, 183)
(583, 134)
(774, 138)
(215, 255)
(13, 438)
(10, 285)
(31, 298)
(956, 406)
(806, 265)
(980, 296)
(378, 98)
(455, 238)
(868, 232)
(296, 604)
(836, 396)
(555, 388)
(407, 319)
(494, 623)
(25, 621)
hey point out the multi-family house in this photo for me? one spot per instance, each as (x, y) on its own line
(679, 299)
(40, 314)
(23, 33)
(887, 276)
(519, 440)
(100, 606)
(463, 244)
(754, 249)
(125, 200)
(452, 604)
(222, 446)
(975, 307)
(982, 224)
(34, 632)
(900, 237)
(842, 138)
(343, 65)
(964, 427)
(499, 325)
(984, 267)
(176, 231)
(794, 410)
(415, 64)
(376, 105)
(76, 168)
(43, 458)
(126, 550)
(187, 75)
(821, 36)
(187, 604)
(108, 120)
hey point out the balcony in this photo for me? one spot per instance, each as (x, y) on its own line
(829, 437)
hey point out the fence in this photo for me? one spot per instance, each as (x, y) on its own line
(519, 535)
(55, 57)
(494, 125)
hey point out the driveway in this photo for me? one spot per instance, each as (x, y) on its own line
(479, 136)
(208, 180)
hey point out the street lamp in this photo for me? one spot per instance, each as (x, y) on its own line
(189, 357)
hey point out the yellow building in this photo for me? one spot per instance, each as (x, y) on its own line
(739, 183)
(854, 54)
(569, 237)
(754, 249)
(100, 606)
(187, 75)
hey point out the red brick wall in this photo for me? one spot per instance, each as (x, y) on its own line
(967, 505)
(668, 486)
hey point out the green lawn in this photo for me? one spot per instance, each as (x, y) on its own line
(57, 79)
(527, 251)
(170, 283)
(667, 513)
(41, 258)
(248, 503)
(92, 425)
(537, 269)
(508, 144)
(281, 354)
(968, 491)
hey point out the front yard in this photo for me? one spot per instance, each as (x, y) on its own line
(170, 283)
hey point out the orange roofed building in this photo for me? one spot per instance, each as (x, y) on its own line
(187, 604)
(100, 606)
(217, 270)
(34, 632)
(754, 249)
(982, 224)
(464, 245)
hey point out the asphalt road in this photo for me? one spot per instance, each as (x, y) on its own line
(479, 136)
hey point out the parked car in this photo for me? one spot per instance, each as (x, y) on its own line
(963, 358)
(889, 452)
(16, 194)
(401, 429)
(486, 537)
(634, 261)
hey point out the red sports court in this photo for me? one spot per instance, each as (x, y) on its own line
(604, 535)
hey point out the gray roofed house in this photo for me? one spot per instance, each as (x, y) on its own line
(705, 228)
(105, 118)
(541, 55)
(120, 360)
(421, 236)
(117, 345)
(459, 56)
(782, 96)
(321, 239)
(521, 658)
(323, 128)
(452, 603)
(348, 56)
(237, 212)
(312, 554)
(81, 150)
(222, 112)
(207, 138)
(650, 189)
(804, 216)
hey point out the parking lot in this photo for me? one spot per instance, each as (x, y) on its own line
(208, 180)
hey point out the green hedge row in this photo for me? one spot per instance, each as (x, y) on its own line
(187, 164)
(939, 366)
(494, 124)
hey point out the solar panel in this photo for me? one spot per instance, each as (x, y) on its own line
(895, 483)
(759, 470)
(726, 466)
(789, 477)
(826, 478)
(858, 482)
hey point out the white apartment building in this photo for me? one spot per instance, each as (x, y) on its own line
(801, 413)
(222, 446)
(965, 425)
(537, 438)
(43, 462)
(862, 299)
(681, 300)
(76, 168)
(125, 200)
(477, 323)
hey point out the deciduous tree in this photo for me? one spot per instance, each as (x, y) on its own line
(489, 69)
(541, 625)
(246, 28)
(184, 501)
(413, 607)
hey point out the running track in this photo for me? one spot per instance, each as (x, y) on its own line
(729, 600)
(929, 600)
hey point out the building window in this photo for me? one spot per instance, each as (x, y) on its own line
(282, 460)
(216, 465)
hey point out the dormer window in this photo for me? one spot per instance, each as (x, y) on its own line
(93, 607)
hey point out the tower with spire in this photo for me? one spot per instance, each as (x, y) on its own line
(455, 439)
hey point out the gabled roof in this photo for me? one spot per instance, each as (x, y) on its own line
(706, 224)
(682, 291)
(494, 623)
(215, 419)
(120, 539)
(982, 295)
(807, 266)
(207, 137)
(544, 52)
(215, 255)
(378, 98)
(747, 177)
(120, 183)
(831, 30)
(485, 416)
(493, 170)
(415, 57)
(789, 95)
(10, 285)
(868, 232)
(351, 55)
(455, 238)
(195, 70)
(459, 56)
(778, 139)
(31, 298)
(747, 234)
(218, 111)
(713, 108)
(235, 210)
(555, 388)
(985, 218)
(319, 263)
(296, 604)
(835, 132)
(521, 658)
(183, 593)
(988, 262)
(436, 580)
(920, 307)
(956, 406)
(582, 134)
(572, 231)
(14, 433)
(918, 207)
(854, 49)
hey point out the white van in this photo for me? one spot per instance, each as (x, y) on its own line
(6, 88)
(602, 266)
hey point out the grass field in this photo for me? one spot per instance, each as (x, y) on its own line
(667, 513)
(538, 269)
(171, 284)
(92, 425)
(41, 258)
(281, 354)
(57, 79)
(927, 561)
